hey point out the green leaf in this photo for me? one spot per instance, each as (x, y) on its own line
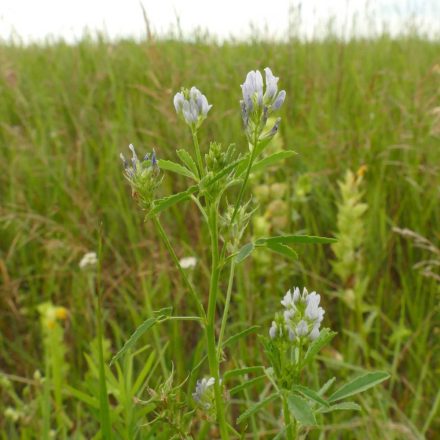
(283, 250)
(242, 371)
(326, 386)
(246, 384)
(271, 160)
(301, 410)
(256, 407)
(241, 334)
(174, 167)
(146, 325)
(83, 397)
(164, 203)
(325, 336)
(312, 395)
(244, 252)
(211, 180)
(295, 239)
(359, 385)
(343, 406)
(166, 311)
(186, 158)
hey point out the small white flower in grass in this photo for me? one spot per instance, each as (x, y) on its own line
(204, 393)
(88, 261)
(273, 331)
(188, 262)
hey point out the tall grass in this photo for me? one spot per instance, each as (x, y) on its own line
(65, 114)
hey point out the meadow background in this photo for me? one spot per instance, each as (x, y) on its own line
(67, 111)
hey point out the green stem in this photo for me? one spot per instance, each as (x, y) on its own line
(198, 154)
(246, 178)
(210, 327)
(104, 407)
(226, 309)
(183, 274)
(290, 424)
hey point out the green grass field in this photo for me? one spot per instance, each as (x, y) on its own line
(66, 112)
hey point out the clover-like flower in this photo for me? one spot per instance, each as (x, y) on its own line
(301, 318)
(259, 102)
(143, 176)
(204, 394)
(193, 106)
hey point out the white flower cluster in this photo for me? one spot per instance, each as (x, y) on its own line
(302, 316)
(204, 393)
(254, 97)
(89, 260)
(192, 105)
(188, 262)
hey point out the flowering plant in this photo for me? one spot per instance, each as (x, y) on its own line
(295, 336)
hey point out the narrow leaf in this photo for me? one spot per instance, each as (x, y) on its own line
(175, 168)
(326, 386)
(295, 239)
(343, 406)
(164, 203)
(312, 395)
(241, 334)
(244, 252)
(301, 410)
(186, 158)
(271, 160)
(146, 325)
(283, 250)
(226, 170)
(359, 385)
(242, 371)
(325, 336)
(256, 407)
(246, 384)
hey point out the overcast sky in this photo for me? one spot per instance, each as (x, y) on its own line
(37, 19)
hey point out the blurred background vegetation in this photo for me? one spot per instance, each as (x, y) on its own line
(364, 118)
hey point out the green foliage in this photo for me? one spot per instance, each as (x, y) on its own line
(349, 103)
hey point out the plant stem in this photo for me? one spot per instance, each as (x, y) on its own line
(210, 327)
(246, 177)
(183, 274)
(104, 408)
(198, 154)
(226, 309)
(290, 425)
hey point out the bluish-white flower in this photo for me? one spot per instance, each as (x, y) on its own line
(259, 102)
(192, 105)
(301, 318)
(204, 394)
(273, 331)
(143, 175)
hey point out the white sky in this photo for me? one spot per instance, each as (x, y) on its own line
(34, 20)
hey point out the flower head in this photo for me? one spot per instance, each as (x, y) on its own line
(143, 175)
(259, 102)
(188, 262)
(301, 318)
(204, 394)
(88, 261)
(192, 105)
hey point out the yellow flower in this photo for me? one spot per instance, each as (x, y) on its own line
(61, 313)
(362, 171)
